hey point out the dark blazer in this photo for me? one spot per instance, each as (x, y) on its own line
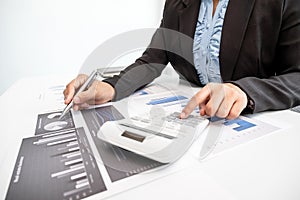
(260, 51)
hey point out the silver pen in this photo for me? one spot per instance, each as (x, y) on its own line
(87, 83)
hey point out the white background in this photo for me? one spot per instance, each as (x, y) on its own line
(42, 37)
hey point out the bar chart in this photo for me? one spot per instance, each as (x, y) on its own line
(55, 165)
(240, 130)
(165, 100)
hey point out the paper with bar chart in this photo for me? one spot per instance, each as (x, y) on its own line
(231, 133)
(55, 165)
(242, 130)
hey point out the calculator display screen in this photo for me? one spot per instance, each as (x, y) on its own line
(133, 136)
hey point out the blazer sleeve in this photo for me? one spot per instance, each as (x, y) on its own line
(145, 69)
(282, 90)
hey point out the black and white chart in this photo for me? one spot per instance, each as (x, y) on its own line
(55, 165)
(49, 122)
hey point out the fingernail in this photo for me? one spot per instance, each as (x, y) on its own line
(76, 100)
(75, 108)
(182, 115)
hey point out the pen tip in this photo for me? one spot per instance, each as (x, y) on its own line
(61, 116)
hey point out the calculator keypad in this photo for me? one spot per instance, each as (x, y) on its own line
(171, 123)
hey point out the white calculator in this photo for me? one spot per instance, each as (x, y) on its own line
(161, 138)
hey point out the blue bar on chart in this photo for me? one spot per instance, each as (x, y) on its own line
(243, 125)
(166, 100)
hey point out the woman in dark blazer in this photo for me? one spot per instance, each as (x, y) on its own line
(259, 60)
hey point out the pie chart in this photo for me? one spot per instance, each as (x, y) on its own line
(54, 126)
(54, 115)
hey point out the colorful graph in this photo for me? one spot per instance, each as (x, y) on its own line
(242, 124)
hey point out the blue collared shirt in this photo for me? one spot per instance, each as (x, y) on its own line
(207, 41)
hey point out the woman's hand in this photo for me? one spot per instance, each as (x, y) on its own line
(224, 100)
(99, 92)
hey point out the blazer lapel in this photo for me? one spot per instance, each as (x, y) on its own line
(234, 28)
(188, 17)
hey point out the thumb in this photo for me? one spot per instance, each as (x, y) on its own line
(85, 96)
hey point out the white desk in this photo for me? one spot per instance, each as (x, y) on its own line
(265, 168)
